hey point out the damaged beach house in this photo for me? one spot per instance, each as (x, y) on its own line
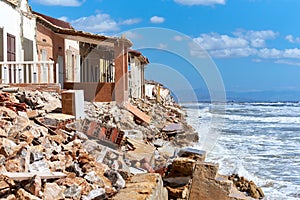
(43, 52)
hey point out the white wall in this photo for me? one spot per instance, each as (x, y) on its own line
(148, 90)
(72, 48)
(11, 22)
(136, 77)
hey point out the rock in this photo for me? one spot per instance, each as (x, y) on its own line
(182, 167)
(14, 165)
(142, 150)
(192, 153)
(7, 147)
(27, 136)
(34, 186)
(178, 192)
(174, 127)
(22, 194)
(32, 114)
(175, 182)
(206, 186)
(261, 193)
(74, 191)
(97, 194)
(55, 119)
(3, 133)
(92, 178)
(9, 197)
(168, 149)
(52, 191)
(117, 180)
(75, 168)
(39, 166)
(253, 190)
(143, 186)
(134, 134)
(4, 188)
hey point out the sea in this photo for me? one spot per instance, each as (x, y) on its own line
(257, 140)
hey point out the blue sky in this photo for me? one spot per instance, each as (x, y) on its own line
(254, 43)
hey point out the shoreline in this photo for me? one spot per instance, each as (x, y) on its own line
(107, 168)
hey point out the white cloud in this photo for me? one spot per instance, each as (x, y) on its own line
(63, 18)
(213, 41)
(292, 39)
(200, 2)
(157, 20)
(256, 38)
(96, 23)
(60, 2)
(133, 35)
(235, 52)
(291, 53)
(162, 46)
(270, 53)
(130, 21)
(241, 43)
(178, 38)
(288, 62)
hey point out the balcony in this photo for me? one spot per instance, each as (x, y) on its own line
(28, 72)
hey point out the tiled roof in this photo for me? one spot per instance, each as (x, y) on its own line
(64, 28)
(57, 22)
(139, 55)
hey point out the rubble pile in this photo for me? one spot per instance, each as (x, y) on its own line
(135, 151)
(246, 186)
(28, 149)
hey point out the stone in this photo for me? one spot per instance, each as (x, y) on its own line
(54, 119)
(27, 136)
(92, 178)
(134, 134)
(143, 186)
(253, 190)
(177, 127)
(13, 165)
(97, 194)
(3, 133)
(192, 153)
(8, 147)
(167, 149)
(75, 168)
(34, 186)
(116, 179)
(142, 150)
(52, 191)
(205, 186)
(260, 191)
(175, 182)
(22, 194)
(74, 191)
(32, 114)
(39, 166)
(6, 112)
(9, 197)
(4, 188)
(182, 167)
(178, 192)
(36, 153)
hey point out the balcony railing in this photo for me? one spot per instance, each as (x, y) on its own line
(28, 72)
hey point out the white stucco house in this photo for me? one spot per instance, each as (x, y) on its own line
(136, 71)
(18, 48)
